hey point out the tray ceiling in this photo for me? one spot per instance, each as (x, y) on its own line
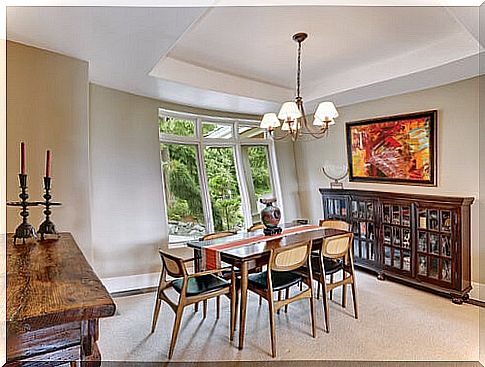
(242, 59)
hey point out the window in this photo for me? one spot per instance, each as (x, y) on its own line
(258, 179)
(214, 173)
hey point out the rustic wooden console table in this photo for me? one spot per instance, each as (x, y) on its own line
(54, 302)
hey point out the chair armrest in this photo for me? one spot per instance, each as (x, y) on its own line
(207, 272)
(189, 260)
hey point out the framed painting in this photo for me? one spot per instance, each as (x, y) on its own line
(397, 149)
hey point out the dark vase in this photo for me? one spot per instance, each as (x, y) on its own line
(270, 216)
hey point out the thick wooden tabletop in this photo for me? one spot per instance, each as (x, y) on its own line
(50, 282)
(263, 247)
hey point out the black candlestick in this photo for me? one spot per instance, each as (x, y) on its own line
(47, 227)
(25, 229)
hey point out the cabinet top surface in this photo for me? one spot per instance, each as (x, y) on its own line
(50, 282)
(400, 195)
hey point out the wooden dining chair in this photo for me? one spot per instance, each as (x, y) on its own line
(216, 235)
(252, 265)
(226, 273)
(192, 288)
(335, 224)
(256, 227)
(281, 275)
(335, 255)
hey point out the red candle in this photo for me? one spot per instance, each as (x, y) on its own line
(48, 164)
(22, 158)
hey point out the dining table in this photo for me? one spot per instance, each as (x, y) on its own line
(256, 254)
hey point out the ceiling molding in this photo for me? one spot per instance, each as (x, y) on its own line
(201, 77)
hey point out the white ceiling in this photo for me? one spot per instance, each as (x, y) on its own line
(242, 59)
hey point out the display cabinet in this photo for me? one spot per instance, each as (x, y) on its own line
(422, 240)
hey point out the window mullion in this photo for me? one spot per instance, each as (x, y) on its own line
(241, 177)
(275, 179)
(204, 186)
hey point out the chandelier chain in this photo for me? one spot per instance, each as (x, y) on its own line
(298, 71)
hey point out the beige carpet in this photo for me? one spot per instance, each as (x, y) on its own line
(396, 323)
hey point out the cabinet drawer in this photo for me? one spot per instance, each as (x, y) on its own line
(28, 344)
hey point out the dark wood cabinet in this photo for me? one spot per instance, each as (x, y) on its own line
(54, 302)
(422, 240)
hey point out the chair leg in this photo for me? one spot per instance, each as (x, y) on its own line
(233, 308)
(218, 307)
(176, 327)
(331, 292)
(260, 300)
(325, 304)
(301, 286)
(272, 325)
(196, 307)
(344, 291)
(354, 297)
(156, 311)
(204, 308)
(279, 299)
(312, 314)
(318, 290)
(287, 294)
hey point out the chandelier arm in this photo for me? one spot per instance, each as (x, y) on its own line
(281, 137)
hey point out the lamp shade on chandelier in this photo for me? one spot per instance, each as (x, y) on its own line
(292, 119)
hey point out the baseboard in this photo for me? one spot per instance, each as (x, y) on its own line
(478, 292)
(131, 282)
(148, 281)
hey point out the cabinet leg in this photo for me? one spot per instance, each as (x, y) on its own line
(457, 300)
(381, 276)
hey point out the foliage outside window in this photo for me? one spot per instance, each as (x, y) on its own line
(203, 170)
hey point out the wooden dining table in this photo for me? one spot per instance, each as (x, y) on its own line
(246, 257)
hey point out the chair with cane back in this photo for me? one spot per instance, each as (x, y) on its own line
(281, 275)
(192, 288)
(335, 224)
(226, 274)
(335, 255)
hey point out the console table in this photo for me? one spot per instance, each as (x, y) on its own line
(421, 240)
(54, 301)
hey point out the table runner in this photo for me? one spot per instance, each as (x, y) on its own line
(211, 255)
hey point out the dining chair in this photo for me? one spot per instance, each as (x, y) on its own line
(335, 224)
(281, 275)
(256, 227)
(252, 265)
(192, 288)
(335, 255)
(226, 274)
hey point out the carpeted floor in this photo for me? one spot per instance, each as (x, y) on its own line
(396, 323)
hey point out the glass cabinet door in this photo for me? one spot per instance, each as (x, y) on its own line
(336, 208)
(434, 244)
(363, 218)
(397, 236)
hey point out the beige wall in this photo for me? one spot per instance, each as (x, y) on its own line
(47, 107)
(129, 222)
(127, 214)
(106, 164)
(458, 149)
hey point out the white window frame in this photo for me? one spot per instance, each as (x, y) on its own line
(236, 143)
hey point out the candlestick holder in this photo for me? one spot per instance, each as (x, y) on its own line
(47, 226)
(25, 229)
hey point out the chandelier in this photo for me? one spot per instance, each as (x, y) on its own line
(292, 120)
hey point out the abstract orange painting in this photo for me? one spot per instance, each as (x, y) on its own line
(396, 149)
